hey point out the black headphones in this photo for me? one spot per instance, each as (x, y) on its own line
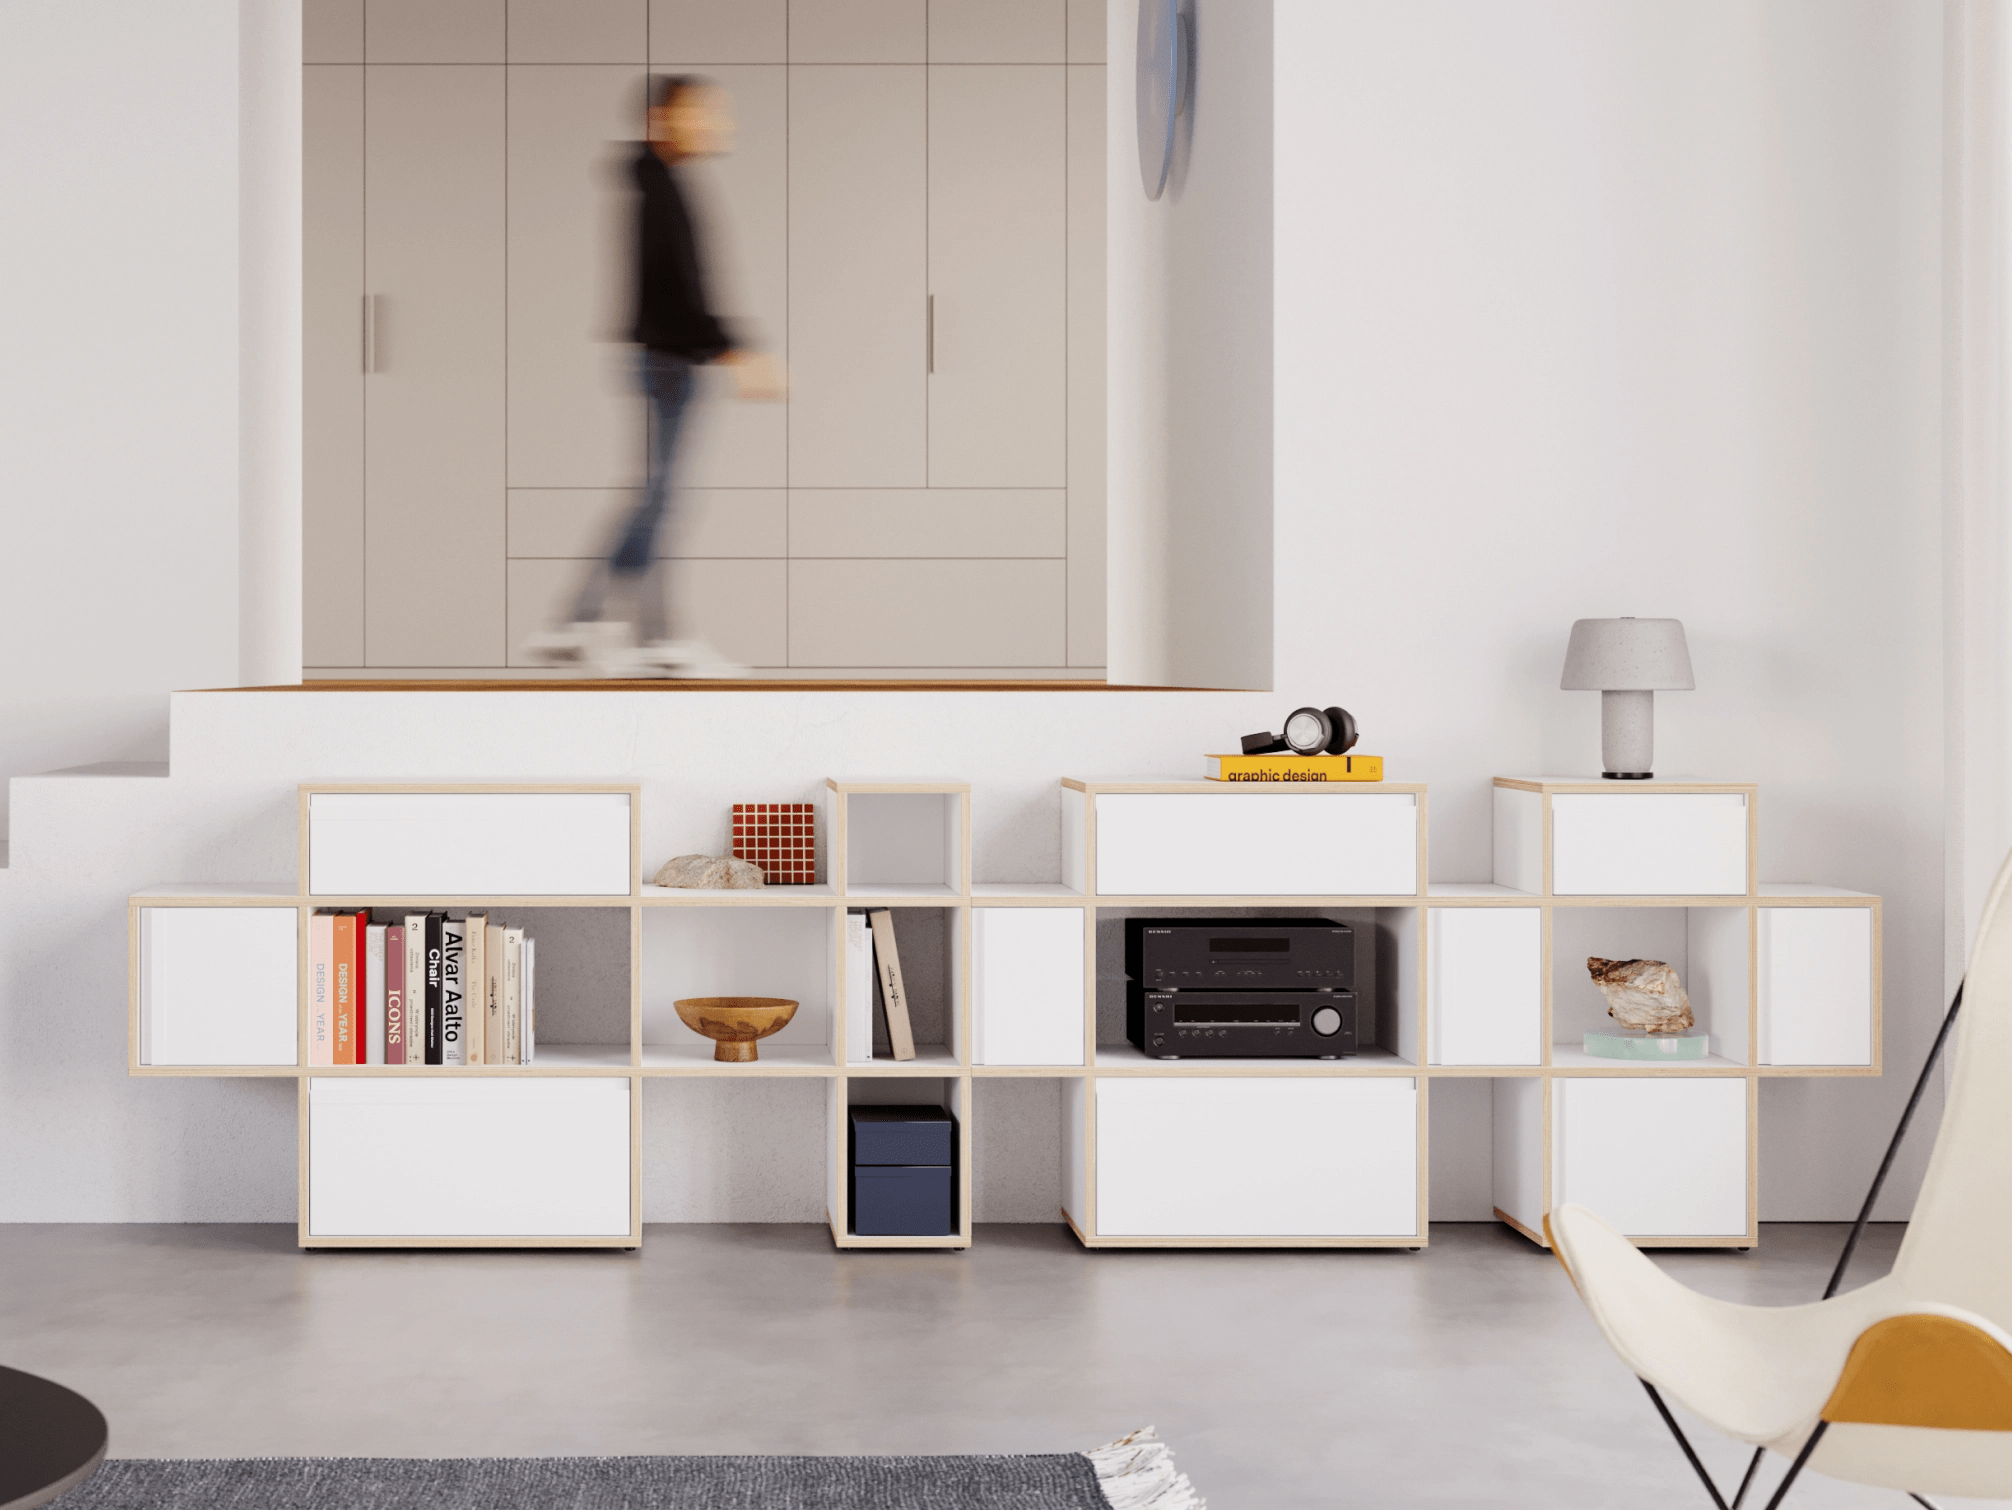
(1308, 731)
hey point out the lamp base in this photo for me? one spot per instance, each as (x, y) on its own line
(1626, 775)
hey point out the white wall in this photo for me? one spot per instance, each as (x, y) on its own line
(1591, 308)
(118, 395)
(1190, 351)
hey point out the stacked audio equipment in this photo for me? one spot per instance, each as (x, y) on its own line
(1240, 987)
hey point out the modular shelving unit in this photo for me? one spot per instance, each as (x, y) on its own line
(1026, 979)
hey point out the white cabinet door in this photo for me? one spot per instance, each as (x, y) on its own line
(858, 276)
(1251, 1156)
(1649, 844)
(464, 844)
(1816, 980)
(1485, 985)
(1653, 1157)
(434, 1157)
(997, 274)
(219, 986)
(1027, 985)
(1257, 844)
(434, 403)
(332, 364)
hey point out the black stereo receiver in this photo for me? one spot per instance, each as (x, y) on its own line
(1230, 1024)
(1240, 954)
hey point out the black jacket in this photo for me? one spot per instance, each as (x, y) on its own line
(671, 312)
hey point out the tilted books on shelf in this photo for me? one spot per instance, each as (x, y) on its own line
(900, 1035)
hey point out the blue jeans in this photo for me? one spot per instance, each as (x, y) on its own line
(667, 382)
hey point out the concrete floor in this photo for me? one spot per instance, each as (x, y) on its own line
(1464, 1375)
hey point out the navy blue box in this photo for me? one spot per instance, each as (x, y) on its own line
(903, 1200)
(903, 1135)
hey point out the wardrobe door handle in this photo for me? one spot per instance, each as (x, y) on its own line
(370, 333)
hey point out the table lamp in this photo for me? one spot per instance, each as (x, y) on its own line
(1627, 661)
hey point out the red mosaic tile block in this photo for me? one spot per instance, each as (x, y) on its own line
(780, 837)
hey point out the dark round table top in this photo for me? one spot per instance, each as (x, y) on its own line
(51, 1440)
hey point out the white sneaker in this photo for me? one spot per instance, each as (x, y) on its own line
(701, 662)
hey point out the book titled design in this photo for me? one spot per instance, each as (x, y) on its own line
(858, 989)
(1295, 767)
(321, 987)
(415, 987)
(495, 1044)
(453, 990)
(344, 972)
(900, 1035)
(373, 993)
(435, 923)
(474, 990)
(394, 993)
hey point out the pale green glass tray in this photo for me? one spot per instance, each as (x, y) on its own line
(1664, 1048)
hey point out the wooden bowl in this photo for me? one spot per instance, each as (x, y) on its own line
(735, 1022)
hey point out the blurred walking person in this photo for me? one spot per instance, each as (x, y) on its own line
(677, 331)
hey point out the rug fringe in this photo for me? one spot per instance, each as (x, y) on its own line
(1137, 1472)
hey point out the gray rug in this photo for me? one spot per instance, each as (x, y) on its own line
(1057, 1481)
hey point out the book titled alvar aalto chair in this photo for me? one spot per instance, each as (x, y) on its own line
(1904, 1383)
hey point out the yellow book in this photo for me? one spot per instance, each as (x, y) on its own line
(1295, 767)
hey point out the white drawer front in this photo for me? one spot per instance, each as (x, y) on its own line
(1257, 844)
(468, 843)
(1649, 844)
(1485, 985)
(1250, 1156)
(1027, 985)
(1653, 1157)
(1815, 973)
(434, 1157)
(219, 985)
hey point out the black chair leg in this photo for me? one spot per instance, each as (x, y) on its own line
(1795, 1468)
(1690, 1453)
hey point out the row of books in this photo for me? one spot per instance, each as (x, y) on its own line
(873, 979)
(427, 989)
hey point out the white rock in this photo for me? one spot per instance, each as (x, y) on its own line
(711, 873)
(1642, 993)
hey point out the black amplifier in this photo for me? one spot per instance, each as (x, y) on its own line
(1240, 954)
(1267, 1024)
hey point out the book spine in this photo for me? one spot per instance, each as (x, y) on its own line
(900, 1035)
(529, 1029)
(434, 920)
(453, 991)
(321, 989)
(415, 988)
(345, 988)
(495, 1047)
(394, 993)
(474, 988)
(513, 995)
(858, 989)
(373, 994)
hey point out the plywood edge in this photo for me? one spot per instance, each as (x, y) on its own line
(616, 1240)
(1420, 1241)
(1510, 1222)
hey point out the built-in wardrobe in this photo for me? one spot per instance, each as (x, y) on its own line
(912, 217)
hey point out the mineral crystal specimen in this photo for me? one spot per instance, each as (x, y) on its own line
(1642, 993)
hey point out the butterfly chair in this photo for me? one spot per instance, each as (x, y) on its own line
(1904, 1383)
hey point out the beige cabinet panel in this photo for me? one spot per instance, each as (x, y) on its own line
(716, 31)
(580, 523)
(1087, 19)
(579, 31)
(1086, 366)
(858, 31)
(738, 605)
(331, 31)
(576, 419)
(997, 270)
(433, 31)
(926, 522)
(740, 203)
(434, 405)
(925, 613)
(987, 31)
(332, 366)
(858, 222)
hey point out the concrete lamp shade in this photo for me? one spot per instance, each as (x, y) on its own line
(1627, 661)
